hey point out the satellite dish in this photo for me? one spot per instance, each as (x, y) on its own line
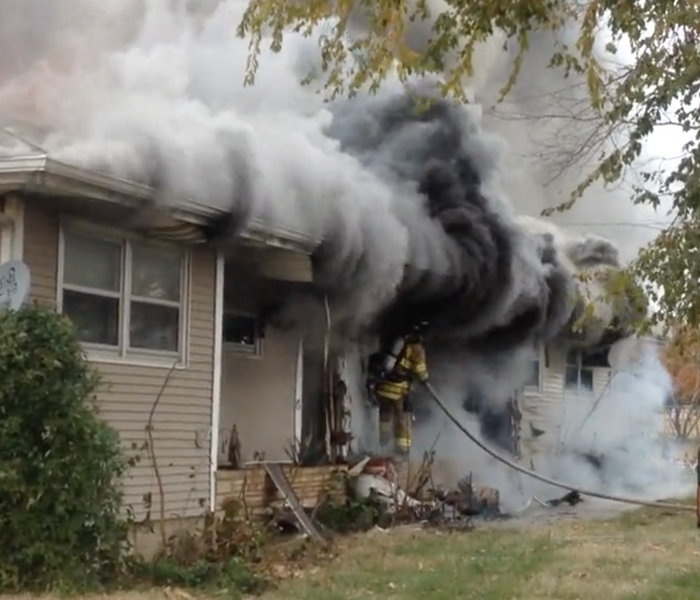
(14, 284)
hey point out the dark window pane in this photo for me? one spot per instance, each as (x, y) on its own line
(586, 379)
(154, 327)
(572, 358)
(92, 263)
(597, 358)
(571, 377)
(533, 376)
(240, 330)
(96, 318)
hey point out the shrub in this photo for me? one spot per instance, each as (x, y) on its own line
(59, 463)
(355, 514)
(233, 574)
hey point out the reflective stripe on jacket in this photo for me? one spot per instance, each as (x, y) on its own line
(415, 354)
(409, 364)
(393, 390)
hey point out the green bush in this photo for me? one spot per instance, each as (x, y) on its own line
(355, 514)
(60, 464)
(232, 574)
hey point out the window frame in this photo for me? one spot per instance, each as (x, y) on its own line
(122, 353)
(540, 359)
(580, 367)
(241, 350)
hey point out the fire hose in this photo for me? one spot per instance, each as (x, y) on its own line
(553, 482)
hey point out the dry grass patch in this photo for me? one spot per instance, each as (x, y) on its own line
(641, 555)
(156, 594)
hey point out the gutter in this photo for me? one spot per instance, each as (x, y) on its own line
(40, 174)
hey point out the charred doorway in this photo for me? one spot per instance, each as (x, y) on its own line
(499, 423)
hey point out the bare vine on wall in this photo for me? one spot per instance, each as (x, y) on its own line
(150, 449)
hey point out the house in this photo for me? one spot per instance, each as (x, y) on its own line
(195, 377)
(564, 385)
(173, 325)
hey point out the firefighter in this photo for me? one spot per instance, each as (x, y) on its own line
(404, 363)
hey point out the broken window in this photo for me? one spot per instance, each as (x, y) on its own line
(242, 333)
(124, 297)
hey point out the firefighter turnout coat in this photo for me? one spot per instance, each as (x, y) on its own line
(410, 364)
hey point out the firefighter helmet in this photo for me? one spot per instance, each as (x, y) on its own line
(419, 328)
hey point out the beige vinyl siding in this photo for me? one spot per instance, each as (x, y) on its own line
(40, 253)
(542, 411)
(555, 411)
(601, 381)
(182, 420)
(257, 395)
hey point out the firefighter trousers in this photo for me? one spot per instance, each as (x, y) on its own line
(394, 425)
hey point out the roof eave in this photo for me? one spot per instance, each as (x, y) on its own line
(41, 174)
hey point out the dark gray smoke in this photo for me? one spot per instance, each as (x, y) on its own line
(404, 200)
(436, 150)
(407, 207)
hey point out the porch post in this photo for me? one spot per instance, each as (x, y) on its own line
(216, 383)
(299, 396)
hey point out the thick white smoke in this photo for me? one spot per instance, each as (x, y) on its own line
(606, 442)
(151, 90)
(618, 429)
(553, 142)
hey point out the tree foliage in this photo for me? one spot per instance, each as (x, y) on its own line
(59, 463)
(658, 89)
(681, 358)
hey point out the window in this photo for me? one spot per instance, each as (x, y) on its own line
(124, 296)
(579, 374)
(242, 333)
(534, 375)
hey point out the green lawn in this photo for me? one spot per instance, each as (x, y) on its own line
(645, 555)
(642, 555)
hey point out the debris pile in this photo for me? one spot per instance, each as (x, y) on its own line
(571, 498)
(377, 478)
(375, 483)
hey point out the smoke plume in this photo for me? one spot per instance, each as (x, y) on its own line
(419, 215)
(605, 440)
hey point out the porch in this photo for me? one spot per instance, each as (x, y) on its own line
(278, 399)
(255, 492)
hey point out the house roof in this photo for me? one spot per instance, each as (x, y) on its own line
(37, 173)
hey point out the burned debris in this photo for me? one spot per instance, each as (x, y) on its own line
(572, 499)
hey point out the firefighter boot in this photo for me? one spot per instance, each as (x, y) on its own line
(402, 434)
(386, 429)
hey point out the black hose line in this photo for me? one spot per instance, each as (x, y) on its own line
(542, 478)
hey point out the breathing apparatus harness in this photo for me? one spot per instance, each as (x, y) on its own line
(382, 364)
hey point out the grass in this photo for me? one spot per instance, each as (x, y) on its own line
(643, 555)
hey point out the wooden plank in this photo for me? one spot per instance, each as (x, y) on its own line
(278, 477)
